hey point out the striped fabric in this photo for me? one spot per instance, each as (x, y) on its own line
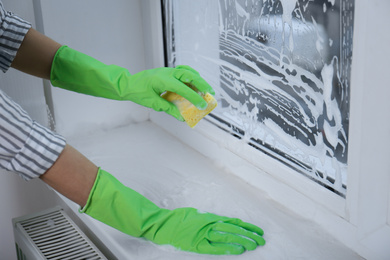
(12, 31)
(26, 147)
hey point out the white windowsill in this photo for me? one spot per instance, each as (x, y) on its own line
(148, 159)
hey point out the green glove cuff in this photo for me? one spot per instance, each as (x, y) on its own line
(78, 72)
(120, 207)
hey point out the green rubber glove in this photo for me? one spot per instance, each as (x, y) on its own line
(75, 71)
(184, 228)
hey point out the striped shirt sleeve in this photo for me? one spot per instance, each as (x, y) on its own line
(12, 32)
(26, 147)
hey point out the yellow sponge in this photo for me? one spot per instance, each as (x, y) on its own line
(190, 113)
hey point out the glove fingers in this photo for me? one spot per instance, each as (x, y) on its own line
(253, 228)
(241, 231)
(229, 238)
(203, 86)
(186, 67)
(187, 74)
(207, 247)
(247, 226)
(178, 87)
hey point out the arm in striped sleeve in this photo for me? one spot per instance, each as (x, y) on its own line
(26, 147)
(12, 32)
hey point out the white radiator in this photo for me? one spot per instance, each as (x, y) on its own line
(51, 234)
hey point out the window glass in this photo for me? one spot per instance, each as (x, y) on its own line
(281, 71)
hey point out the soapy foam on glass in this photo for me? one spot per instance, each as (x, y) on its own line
(189, 112)
(291, 99)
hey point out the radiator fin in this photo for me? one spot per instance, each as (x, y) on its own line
(56, 236)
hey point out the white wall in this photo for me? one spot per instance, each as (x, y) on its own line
(111, 32)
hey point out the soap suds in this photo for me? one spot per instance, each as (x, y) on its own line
(270, 66)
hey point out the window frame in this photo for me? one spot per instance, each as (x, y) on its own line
(361, 220)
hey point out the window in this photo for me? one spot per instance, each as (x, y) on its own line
(281, 71)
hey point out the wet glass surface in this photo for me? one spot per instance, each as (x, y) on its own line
(281, 71)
